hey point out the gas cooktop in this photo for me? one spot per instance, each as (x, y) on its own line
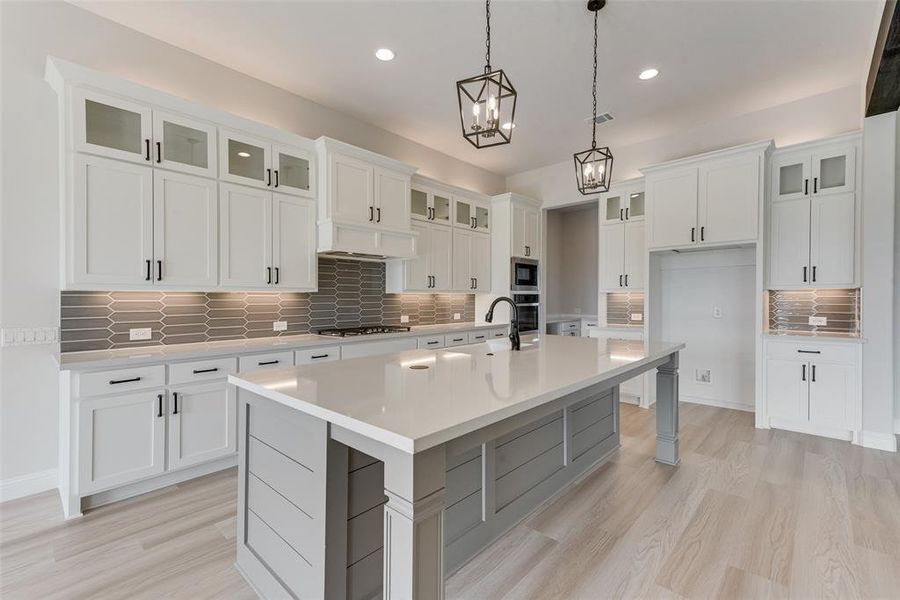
(365, 330)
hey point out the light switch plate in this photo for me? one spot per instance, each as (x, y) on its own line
(279, 326)
(404, 318)
(637, 316)
(143, 333)
(457, 316)
(818, 321)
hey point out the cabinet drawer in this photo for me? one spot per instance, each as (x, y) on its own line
(499, 333)
(570, 326)
(476, 337)
(456, 339)
(813, 352)
(201, 370)
(262, 361)
(430, 342)
(120, 380)
(317, 355)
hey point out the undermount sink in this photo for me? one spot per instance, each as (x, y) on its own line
(490, 346)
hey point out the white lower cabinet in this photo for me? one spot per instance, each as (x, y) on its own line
(813, 388)
(121, 438)
(202, 424)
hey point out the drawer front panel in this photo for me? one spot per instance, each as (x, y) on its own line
(274, 360)
(120, 380)
(317, 355)
(499, 333)
(380, 347)
(431, 342)
(477, 336)
(570, 326)
(812, 352)
(201, 370)
(456, 339)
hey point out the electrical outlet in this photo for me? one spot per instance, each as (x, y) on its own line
(637, 316)
(818, 321)
(404, 318)
(279, 326)
(143, 333)
(717, 312)
(703, 376)
(457, 316)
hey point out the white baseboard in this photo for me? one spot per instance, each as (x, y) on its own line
(878, 440)
(717, 403)
(26, 485)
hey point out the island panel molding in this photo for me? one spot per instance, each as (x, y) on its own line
(351, 293)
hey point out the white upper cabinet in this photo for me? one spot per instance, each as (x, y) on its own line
(293, 171)
(294, 258)
(635, 248)
(469, 213)
(184, 144)
(471, 261)
(813, 216)
(245, 159)
(429, 205)
(391, 199)
(624, 203)
(352, 186)
(245, 237)
(481, 262)
(111, 225)
(525, 227)
(185, 231)
(111, 127)
(709, 200)
(622, 250)
(432, 270)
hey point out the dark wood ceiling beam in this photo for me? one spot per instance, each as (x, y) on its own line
(883, 85)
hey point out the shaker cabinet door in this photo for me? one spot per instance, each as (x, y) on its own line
(442, 258)
(294, 243)
(183, 144)
(111, 223)
(202, 424)
(728, 200)
(787, 390)
(612, 257)
(634, 255)
(417, 269)
(518, 236)
(831, 388)
(462, 260)
(352, 190)
(245, 237)
(293, 171)
(112, 127)
(832, 240)
(481, 262)
(245, 159)
(789, 243)
(672, 212)
(391, 199)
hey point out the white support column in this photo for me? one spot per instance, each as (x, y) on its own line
(667, 411)
(414, 526)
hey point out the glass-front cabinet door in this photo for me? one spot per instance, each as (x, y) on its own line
(832, 170)
(183, 144)
(464, 213)
(419, 204)
(482, 217)
(612, 207)
(293, 171)
(440, 208)
(109, 126)
(791, 176)
(244, 159)
(634, 210)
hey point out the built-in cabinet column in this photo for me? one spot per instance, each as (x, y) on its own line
(622, 242)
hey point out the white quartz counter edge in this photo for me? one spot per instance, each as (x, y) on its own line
(814, 338)
(128, 357)
(411, 446)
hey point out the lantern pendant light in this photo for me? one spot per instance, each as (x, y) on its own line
(593, 168)
(487, 102)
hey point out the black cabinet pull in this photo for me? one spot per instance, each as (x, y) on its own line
(317, 356)
(159, 399)
(815, 185)
(277, 275)
(432, 343)
(269, 275)
(621, 215)
(814, 273)
(693, 229)
(268, 362)
(474, 222)
(626, 213)
(147, 150)
(476, 284)
(269, 175)
(199, 371)
(276, 177)
(159, 270)
(806, 187)
(702, 233)
(149, 268)
(458, 340)
(804, 274)
(175, 403)
(813, 377)
(378, 210)
(626, 280)
(118, 381)
(158, 152)
(803, 373)
(809, 351)
(371, 213)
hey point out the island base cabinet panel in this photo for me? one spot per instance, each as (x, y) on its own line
(122, 439)
(202, 424)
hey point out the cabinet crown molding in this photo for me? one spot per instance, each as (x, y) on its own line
(518, 198)
(764, 147)
(332, 145)
(853, 137)
(435, 184)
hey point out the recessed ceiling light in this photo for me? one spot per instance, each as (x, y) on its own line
(384, 54)
(648, 74)
(244, 154)
(508, 126)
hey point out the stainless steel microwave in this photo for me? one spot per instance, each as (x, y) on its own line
(523, 275)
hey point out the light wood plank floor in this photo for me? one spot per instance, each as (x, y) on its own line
(747, 514)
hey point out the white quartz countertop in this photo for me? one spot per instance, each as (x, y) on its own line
(126, 357)
(421, 398)
(804, 336)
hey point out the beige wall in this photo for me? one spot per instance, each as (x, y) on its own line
(572, 255)
(29, 205)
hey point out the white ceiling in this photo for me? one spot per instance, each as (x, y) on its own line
(716, 58)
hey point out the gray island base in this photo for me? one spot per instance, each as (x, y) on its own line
(379, 476)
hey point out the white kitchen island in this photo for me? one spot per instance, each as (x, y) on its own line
(459, 445)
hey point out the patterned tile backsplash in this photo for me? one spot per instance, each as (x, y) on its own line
(790, 311)
(351, 293)
(620, 306)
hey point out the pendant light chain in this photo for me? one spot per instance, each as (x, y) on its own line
(594, 120)
(487, 43)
